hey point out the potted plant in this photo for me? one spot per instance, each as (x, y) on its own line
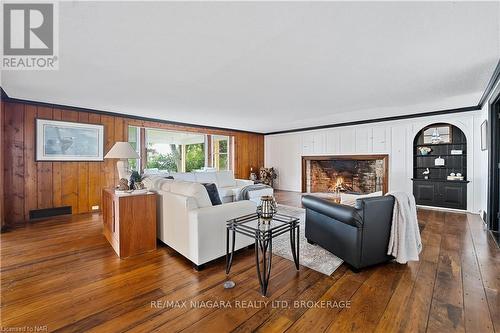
(136, 181)
(424, 150)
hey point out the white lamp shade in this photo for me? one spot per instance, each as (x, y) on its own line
(122, 150)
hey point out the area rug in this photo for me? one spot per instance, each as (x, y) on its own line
(312, 256)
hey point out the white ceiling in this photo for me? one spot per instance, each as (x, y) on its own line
(268, 66)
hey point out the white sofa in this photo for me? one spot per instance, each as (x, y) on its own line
(227, 186)
(187, 221)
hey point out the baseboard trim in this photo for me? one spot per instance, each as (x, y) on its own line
(37, 214)
(444, 209)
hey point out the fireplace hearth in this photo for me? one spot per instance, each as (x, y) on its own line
(346, 173)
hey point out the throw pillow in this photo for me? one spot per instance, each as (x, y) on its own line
(350, 199)
(213, 193)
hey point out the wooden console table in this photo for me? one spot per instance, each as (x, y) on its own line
(129, 222)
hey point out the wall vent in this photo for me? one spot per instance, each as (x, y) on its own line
(49, 212)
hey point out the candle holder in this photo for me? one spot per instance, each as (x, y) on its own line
(267, 208)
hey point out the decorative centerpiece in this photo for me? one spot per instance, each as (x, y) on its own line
(267, 208)
(267, 176)
(424, 150)
(123, 187)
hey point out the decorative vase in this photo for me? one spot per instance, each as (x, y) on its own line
(267, 208)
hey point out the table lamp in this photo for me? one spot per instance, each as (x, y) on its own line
(122, 151)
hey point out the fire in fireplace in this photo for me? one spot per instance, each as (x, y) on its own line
(334, 174)
(338, 186)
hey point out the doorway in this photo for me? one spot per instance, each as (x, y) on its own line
(494, 168)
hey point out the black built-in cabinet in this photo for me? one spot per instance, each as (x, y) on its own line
(437, 190)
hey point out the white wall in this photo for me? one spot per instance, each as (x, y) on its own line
(395, 138)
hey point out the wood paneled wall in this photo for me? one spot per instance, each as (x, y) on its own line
(36, 185)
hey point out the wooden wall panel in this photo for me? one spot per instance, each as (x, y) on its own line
(119, 125)
(83, 175)
(14, 163)
(109, 166)
(95, 187)
(30, 167)
(35, 185)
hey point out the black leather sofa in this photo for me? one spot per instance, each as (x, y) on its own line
(358, 235)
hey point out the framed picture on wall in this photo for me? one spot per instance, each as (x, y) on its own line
(68, 141)
(484, 135)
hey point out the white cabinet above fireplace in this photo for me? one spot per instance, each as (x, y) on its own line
(380, 139)
(346, 140)
(313, 143)
(364, 140)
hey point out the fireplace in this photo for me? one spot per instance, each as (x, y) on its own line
(346, 173)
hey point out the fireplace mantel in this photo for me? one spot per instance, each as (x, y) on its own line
(384, 158)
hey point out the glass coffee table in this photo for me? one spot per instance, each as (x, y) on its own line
(263, 231)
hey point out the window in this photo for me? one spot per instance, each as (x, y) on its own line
(174, 151)
(220, 148)
(134, 138)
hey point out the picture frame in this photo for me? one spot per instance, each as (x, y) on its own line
(63, 141)
(484, 135)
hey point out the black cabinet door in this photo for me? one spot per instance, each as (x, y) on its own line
(453, 195)
(426, 193)
(440, 194)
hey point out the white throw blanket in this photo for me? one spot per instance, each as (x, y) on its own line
(405, 243)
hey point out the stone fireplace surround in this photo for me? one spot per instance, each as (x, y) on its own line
(345, 173)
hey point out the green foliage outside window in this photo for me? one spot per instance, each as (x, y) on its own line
(195, 156)
(170, 162)
(223, 146)
(223, 162)
(162, 162)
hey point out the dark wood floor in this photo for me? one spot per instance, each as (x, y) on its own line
(62, 274)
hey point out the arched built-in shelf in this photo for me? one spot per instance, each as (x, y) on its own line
(437, 187)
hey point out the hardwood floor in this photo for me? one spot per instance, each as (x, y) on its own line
(62, 275)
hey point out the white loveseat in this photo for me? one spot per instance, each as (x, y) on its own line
(187, 221)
